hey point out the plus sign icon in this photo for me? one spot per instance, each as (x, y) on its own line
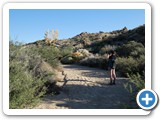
(147, 99)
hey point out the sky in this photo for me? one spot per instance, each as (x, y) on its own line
(29, 25)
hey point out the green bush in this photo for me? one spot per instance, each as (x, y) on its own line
(130, 65)
(137, 80)
(65, 51)
(54, 55)
(135, 84)
(106, 49)
(131, 58)
(50, 54)
(67, 60)
(96, 62)
(24, 89)
(31, 75)
(132, 48)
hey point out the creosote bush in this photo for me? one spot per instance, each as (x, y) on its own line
(24, 88)
(131, 49)
(31, 74)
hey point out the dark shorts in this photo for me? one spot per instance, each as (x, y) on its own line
(109, 68)
(112, 67)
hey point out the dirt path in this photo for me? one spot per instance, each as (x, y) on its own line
(87, 89)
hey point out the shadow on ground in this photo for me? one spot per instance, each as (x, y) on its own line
(99, 96)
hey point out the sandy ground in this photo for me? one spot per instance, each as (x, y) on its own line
(87, 88)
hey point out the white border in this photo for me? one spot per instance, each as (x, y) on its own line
(8, 6)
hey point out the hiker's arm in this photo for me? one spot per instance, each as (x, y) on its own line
(108, 56)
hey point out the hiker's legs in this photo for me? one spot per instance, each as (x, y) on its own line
(110, 75)
(113, 75)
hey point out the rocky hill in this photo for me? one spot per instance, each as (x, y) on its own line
(95, 41)
(92, 41)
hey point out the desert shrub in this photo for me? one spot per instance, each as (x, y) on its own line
(106, 49)
(137, 80)
(130, 65)
(54, 55)
(132, 58)
(14, 50)
(132, 48)
(31, 75)
(24, 89)
(93, 61)
(86, 41)
(135, 84)
(126, 65)
(50, 54)
(77, 56)
(84, 52)
(66, 51)
(67, 60)
(66, 54)
(141, 66)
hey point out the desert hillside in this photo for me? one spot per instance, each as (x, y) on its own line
(58, 69)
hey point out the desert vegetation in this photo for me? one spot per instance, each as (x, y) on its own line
(130, 51)
(33, 67)
(24, 87)
(33, 73)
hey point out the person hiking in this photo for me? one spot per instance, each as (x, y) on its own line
(111, 67)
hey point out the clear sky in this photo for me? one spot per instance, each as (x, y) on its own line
(29, 25)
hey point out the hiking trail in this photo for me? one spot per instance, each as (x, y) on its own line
(87, 88)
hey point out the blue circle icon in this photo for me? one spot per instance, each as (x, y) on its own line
(147, 99)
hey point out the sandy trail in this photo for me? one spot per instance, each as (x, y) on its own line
(87, 89)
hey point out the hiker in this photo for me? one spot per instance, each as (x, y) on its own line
(111, 67)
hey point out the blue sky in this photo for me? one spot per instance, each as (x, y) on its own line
(29, 25)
